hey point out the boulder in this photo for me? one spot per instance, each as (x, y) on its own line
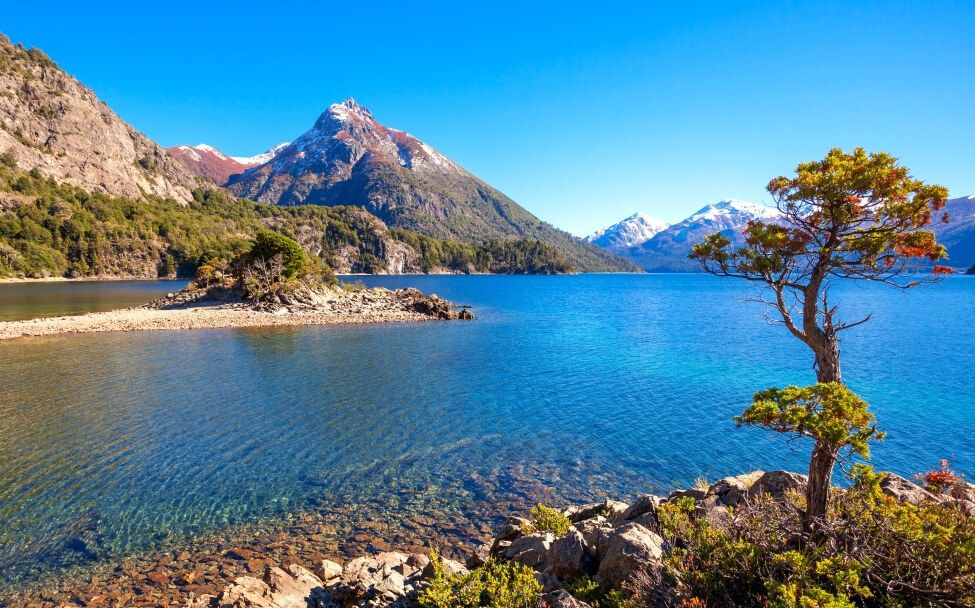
(731, 491)
(569, 556)
(478, 557)
(595, 532)
(903, 490)
(560, 599)
(644, 504)
(376, 580)
(695, 493)
(631, 548)
(289, 587)
(511, 529)
(611, 509)
(328, 571)
(777, 483)
(531, 550)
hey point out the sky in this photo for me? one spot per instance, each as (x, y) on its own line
(584, 113)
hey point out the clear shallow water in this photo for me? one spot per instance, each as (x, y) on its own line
(604, 384)
(41, 299)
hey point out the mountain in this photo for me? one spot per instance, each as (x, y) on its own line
(667, 251)
(206, 161)
(349, 158)
(631, 231)
(51, 122)
(262, 158)
(958, 235)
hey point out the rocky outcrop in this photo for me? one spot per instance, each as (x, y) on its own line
(51, 122)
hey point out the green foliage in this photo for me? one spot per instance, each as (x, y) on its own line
(547, 519)
(585, 589)
(830, 413)
(876, 552)
(493, 585)
(267, 244)
(511, 256)
(63, 230)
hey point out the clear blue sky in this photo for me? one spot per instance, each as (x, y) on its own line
(583, 113)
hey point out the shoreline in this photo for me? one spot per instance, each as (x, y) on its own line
(186, 310)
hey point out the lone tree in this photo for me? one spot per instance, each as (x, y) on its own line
(855, 216)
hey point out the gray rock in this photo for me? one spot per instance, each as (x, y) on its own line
(903, 490)
(777, 483)
(643, 504)
(695, 493)
(531, 550)
(731, 491)
(450, 567)
(561, 599)
(479, 557)
(290, 587)
(595, 532)
(607, 508)
(631, 549)
(328, 571)
(569, 556)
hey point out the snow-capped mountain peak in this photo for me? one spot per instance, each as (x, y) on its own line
(210, 149)
(260, 159)
(633, 230)
(732, 210)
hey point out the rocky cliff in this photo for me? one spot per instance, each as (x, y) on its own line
(51, 122)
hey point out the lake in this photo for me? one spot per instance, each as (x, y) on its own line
(581, 386)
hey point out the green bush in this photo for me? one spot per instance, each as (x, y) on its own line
(585, 589)
(547, 519)
(874, 552)
(493, 585)
(267, 245)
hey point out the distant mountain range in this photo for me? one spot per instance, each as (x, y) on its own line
(666, 250)
(206, 161)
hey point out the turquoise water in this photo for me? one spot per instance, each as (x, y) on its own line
(592, 384)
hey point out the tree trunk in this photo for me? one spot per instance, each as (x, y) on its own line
(827, 363)
(817, 492)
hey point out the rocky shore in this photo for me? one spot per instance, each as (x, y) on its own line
(214, 308)
(614, 544)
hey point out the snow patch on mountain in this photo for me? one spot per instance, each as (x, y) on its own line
(260, 159)
(633, 230)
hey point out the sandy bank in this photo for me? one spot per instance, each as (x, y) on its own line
(198, 311)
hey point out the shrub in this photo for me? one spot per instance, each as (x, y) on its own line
(267, 245)
(547, 519)
(941, 480)
(873, 552)
(585, 589)
(493, 585)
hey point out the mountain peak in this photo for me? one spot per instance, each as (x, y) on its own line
(733, 207)
(344, 113)
(636, 229)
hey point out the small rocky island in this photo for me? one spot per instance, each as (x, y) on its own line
(269, 283)
(195, 308)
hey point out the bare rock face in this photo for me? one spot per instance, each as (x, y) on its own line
(51, 122)
(777, 483)
(632, 548)
(290, 587)
(731, 491)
